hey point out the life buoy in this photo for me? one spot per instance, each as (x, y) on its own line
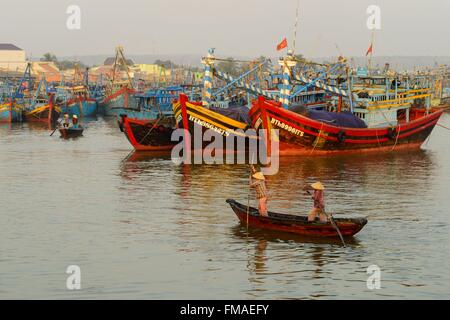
(341, 136)
(392, 133)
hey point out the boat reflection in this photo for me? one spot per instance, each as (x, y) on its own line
(255, 235)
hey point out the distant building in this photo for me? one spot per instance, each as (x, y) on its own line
(12, 58)
(46, 69)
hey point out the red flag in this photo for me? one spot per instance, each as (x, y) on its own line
(370, 50)
(283, 44)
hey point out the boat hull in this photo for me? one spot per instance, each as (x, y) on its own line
(122, 101)
(10, 113)
(67, 133)
(198, 120)
(148, 135)
(45, 114)
(299, 135)
(296, 224)
(82, 107)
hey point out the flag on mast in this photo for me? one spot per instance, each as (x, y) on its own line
(283, 44)
(370, 50)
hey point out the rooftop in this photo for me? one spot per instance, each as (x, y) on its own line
(8, 46)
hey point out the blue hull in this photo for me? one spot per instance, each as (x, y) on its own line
(86, 108)
(121, 104)
(7, 116)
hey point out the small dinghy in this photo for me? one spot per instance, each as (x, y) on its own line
(68, 133)
(296, 224)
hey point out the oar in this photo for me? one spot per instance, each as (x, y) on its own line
(333, 223)
(59, 123)
(248, 195)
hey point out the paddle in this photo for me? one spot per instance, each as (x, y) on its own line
(56, 127)
(333, 223)
(249, 189)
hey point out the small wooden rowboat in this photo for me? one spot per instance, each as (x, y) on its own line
(68, 133)
(296, 224)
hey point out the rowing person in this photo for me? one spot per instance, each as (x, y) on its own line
(75, 121)
(257, 181)
(66, 122)
(319, 203)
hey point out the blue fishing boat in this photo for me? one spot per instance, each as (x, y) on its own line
(121, 101)
(10, 112)
(81, 104)
(120, 95)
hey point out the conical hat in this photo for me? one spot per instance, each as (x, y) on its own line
(318, 186)
(259, 176)
(75, 116)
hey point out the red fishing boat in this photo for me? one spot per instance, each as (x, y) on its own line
(296, 224)
(148, 135)
(300, 134)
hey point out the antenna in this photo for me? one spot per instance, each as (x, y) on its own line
(295, 27)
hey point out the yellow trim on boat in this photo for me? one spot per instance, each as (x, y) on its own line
(218, 116)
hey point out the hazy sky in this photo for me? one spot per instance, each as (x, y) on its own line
(234, 27)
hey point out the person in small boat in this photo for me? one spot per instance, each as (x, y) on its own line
(66, 122)
(257, 181)
(75, 121)
(319, 203)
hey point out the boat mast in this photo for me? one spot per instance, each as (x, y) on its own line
(208, 61)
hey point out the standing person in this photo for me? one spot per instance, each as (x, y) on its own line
(257, 181)
(319, 203)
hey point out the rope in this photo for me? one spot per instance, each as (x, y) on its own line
(396, 139)
(440, 125)
(153, 127)
(317, 139)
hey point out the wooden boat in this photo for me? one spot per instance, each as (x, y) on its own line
(81, 104)
(149, 135)
(192, 115)
(302, 135)
(296, 224)
(119, 102)
(10, 112)
(71, 132)
(43, 112)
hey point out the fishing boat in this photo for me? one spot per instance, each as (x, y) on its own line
(120, 96)
(81, 104)
(43, 110)
(149, 135)
(296, 224)
(71, 132)
(151, 128)
(10, 112)
(230, 123)
(383, 113)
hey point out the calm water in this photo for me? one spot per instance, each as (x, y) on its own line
(142, 227)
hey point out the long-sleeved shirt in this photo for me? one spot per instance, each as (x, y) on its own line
(260, 188)
(319, 202)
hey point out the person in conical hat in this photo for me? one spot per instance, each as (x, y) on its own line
(319, 203)
(257, 181)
